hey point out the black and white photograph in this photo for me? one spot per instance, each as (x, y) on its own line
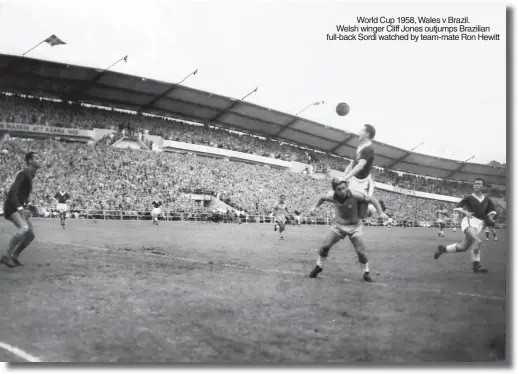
(233, 182)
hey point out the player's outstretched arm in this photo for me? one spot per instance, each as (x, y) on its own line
(321, 200)
(460, 208)
(355, 170)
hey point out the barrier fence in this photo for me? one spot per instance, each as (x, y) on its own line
(326, 219)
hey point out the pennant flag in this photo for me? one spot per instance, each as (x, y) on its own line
(125, 58)
(53, 40)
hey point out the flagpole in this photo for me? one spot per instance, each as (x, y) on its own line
(43, 41)
(250, 93)
(112, 65)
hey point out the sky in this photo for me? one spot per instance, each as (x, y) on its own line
(450, 95)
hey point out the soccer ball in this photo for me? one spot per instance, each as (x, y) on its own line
(342, 109)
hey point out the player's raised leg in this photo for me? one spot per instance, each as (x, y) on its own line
(330, 240)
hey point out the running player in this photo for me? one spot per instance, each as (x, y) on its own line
(345, 223)
(62, 199)
(490, 225)
(358, 172)
(156, 211)
(15, 212)
(441, 215)
(476, 208)
(279, 215)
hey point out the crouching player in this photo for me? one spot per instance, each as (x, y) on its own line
(345, 223)
(14, 211)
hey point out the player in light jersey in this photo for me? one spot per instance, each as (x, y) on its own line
(358, 172)
(490, 225)
(279, 215)
(441, 214)
(454, 221)
(156, 211)
(62, 199)
(345, 223)
(476, 208)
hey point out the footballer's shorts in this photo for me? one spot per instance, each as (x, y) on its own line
(9, 208)
(62, 208)
(281, 221)
(155, 211)
(365, 186)
(478, 224)
(352, 231)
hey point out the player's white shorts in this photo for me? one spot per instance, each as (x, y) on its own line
(343, 230)
(440, 220)
(156, 211)
(62, 208)
(365, 186)
(478, 224)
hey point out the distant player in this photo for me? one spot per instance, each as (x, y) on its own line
(454, 221)
(345, 223)
(62, 199)
(297, 218)
(358, 172)
(15, 212)
(476, 208)
(279, 215)
(441, 215)
(490, 225)
(156, 211)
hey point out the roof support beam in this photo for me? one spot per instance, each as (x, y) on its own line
(459, 168)
(158, 97)
(399, 160)
(286, 126)
(343, 142)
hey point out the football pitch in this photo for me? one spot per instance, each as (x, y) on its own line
(128, 291)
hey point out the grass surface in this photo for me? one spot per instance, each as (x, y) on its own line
(187, 292)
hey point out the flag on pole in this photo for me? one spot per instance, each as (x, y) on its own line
(53, 40)
(125, 58)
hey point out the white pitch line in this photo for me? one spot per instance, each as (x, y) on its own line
(488, 297)
(18, 352)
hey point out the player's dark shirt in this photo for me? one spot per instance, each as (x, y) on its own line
(367, 154)
(20, 190)
(156, 204)
(479, 209)
(62, 198)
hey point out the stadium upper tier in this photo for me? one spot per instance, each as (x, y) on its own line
(107, 88)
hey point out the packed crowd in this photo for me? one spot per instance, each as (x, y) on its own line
(49, 113)
(100, 177)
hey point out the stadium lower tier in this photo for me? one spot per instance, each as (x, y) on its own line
(101, 178)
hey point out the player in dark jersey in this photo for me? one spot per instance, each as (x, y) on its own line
(62, 199)
(155, 212)
(346, 222)
(358, 172)
(476, 208)
(15, 212)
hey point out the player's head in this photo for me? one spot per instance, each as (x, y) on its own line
(368, 132)
(32, 159)
(478, 185)
(339, 186)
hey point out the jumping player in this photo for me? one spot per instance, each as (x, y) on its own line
(476, 208)
(62, 199)
(15, 212)
(441, 215)
(156, 211)
(279, 215)
(358, 172)
(345, 223)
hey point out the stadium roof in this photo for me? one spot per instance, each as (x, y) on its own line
(103, 87)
